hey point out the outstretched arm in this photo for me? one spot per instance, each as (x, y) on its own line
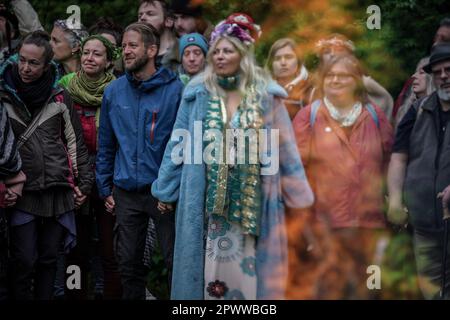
(27, 16)
(396, 177)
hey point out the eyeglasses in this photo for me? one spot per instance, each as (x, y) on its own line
(437, 73)
(340, 76)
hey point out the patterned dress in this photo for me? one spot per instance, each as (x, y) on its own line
(230, 256)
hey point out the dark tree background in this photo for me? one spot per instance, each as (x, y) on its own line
(390, 54)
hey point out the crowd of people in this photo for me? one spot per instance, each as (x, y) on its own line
(114, 142)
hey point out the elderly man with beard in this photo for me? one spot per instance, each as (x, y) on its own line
(137, 115)
(420, 167)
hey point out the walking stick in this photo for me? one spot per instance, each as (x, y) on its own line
(444, 251)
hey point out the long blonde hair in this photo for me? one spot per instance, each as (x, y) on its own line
(250, 72)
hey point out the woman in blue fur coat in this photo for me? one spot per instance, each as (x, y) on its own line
(230, 169)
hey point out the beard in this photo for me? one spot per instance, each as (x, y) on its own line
(443, 95)
(138, 64)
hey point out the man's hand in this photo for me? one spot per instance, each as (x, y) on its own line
(165, 207)
(110, 204)
(10, 198)
(80, 198)
(397, 214)
(445, 195)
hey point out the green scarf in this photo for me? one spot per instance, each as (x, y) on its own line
(87, 92)
(240, 188)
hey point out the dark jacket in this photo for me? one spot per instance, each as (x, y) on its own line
(10, 162)
(55, 154)
(136, 121)
(428, 170)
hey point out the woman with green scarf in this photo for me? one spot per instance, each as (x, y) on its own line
(86, 88)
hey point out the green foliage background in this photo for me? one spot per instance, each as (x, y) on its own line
(389, 54)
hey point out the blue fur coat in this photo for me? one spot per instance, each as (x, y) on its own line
(185, 184)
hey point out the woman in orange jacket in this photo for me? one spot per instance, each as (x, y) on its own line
(345, 143)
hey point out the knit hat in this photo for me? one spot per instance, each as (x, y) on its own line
(193, 39)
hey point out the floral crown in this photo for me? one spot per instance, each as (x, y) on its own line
(238, 25)
(334, 42)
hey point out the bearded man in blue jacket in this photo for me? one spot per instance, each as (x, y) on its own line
(136, 119)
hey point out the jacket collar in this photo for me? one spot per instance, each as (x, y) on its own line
(432, 102)
(161, 77)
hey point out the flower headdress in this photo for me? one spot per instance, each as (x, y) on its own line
(335, 41)
(238, 25)
(80, 33)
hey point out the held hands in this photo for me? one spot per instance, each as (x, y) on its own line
(79, 197)
(165, 207)
(445, 195)
(10, 198)
(397, 214)
(110, 204)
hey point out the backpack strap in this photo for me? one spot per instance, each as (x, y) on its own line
(373, 114)
(30, 129)
(314, 108)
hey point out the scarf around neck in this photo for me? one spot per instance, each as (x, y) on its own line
(237, 193)
(229, 82)
(346, 120)
(88, 92)
(33, 94)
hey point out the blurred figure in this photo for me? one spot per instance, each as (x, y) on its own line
(345, 142)
(188, 18)
(17, 18)
(337, 44)
(443, 32)
(288, 70)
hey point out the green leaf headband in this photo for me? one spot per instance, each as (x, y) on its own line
(112, 52)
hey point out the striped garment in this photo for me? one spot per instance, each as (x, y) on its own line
(10, 162)
(150, 243)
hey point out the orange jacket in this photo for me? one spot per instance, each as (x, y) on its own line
(345, 173)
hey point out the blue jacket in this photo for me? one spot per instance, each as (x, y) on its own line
(136, 121)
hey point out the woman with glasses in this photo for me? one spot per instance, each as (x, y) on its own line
(345, 143)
